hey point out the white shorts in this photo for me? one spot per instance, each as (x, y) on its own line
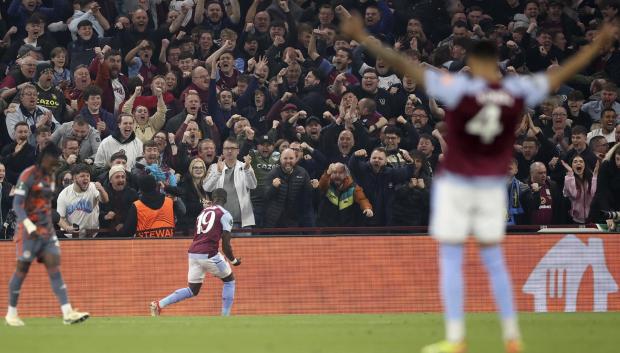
(200, 264)
(462, 206)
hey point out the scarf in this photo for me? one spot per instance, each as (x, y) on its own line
(514, 204)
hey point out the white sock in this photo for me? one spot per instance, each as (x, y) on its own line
(12, 311)
(510, 329)
(455, 331)
(66, 309)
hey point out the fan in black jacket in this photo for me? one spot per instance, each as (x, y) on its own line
(607, 196)
(288, 194)
(114, 213)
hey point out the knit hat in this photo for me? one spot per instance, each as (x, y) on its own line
(41, 68)
(116, 169)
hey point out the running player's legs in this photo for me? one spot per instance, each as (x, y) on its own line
(489, 228)
(220, 268)
(196, 272)
(217, 266)
(195, 277)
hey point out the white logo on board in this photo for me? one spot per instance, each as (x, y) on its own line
(559, 274)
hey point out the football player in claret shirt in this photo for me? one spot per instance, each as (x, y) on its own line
(35, 235)
(469, 196)
(212, 225)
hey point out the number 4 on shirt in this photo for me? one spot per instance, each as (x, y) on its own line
(486, 124)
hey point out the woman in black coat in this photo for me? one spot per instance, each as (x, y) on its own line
(607, 196)
(193, 195)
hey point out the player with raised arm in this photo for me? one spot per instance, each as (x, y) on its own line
(212, 225)
(35, 235)
(469, 195)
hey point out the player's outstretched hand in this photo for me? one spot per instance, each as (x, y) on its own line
(607, 33)
(352, 26)
(236, 261)
(368, 213)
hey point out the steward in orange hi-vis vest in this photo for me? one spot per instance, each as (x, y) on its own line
(155, 223)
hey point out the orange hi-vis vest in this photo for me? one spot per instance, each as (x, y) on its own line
(157, 223)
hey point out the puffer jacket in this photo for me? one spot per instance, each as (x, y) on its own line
(285, 205)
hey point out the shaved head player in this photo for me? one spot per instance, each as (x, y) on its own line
(212, 225)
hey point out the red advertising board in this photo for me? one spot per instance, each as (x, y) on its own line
(343, 274)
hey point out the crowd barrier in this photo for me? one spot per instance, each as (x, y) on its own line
(323, 274)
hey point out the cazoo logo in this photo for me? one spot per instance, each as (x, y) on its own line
(560, 272)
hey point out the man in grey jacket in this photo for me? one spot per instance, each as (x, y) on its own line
(88, 137)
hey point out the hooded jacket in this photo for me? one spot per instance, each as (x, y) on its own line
(114, 143)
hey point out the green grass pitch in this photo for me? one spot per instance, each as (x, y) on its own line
(390, 333)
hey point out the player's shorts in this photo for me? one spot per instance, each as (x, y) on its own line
(31, 249)
(200, 264)
(461, 206)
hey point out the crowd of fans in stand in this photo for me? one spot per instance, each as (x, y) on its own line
(298, 124)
